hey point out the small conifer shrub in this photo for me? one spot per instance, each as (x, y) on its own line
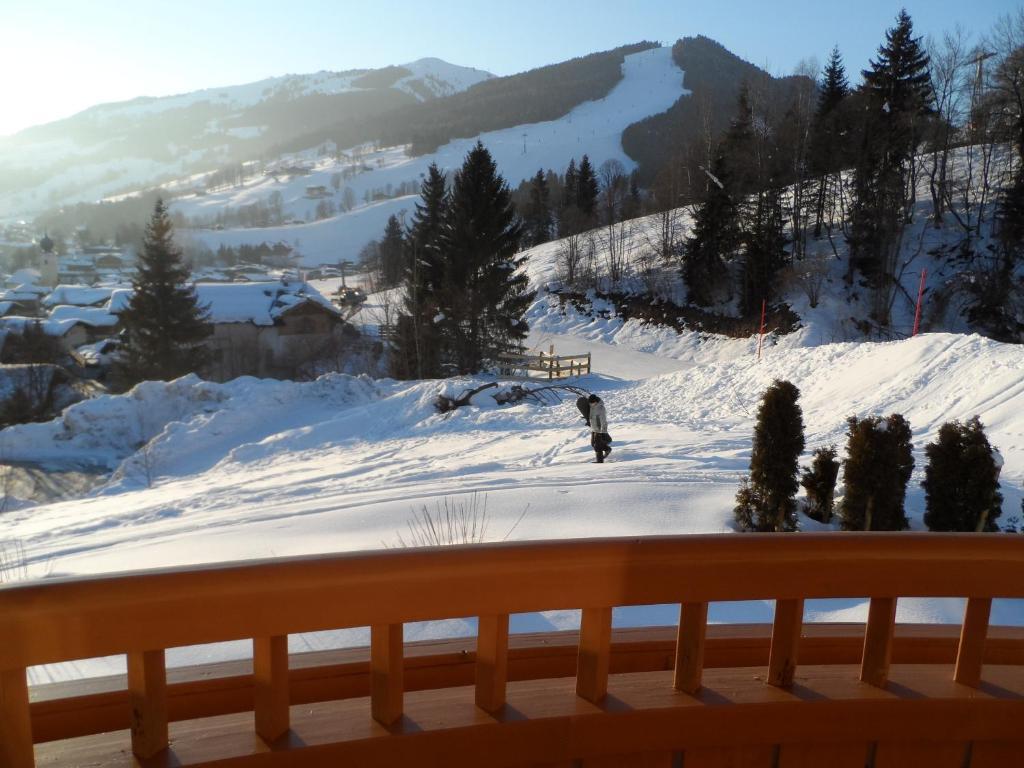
(876, 470)
(961, 480)
(766, 500)
(819, 482)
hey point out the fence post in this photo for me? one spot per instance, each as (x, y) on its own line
(971, 653)
(594, 654)
(270, 686)
(874, 665)
(386, 682)
(147, 693)
(15, 722)
(693, 624)
(491, 662)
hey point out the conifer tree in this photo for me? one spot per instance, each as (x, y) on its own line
(537, 218)
(164, 325)
(877, 467)
(484, 296)
(764, 250)
(715, 237)
(819, 483)
(961, 480)
(897, 88)
(767, 501)
(568, 212)
(415, 352)
(392, 253)
(587, 190)
(827, 152)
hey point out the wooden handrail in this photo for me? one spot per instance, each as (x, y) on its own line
(141, 614)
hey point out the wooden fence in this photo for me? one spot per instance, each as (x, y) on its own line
(811, 702)
(550, 366)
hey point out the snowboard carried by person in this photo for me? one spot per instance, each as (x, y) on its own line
(583, 404)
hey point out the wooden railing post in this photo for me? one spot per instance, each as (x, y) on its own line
(693, 624)
(15, 722)
(386, 680)
(594, 654)
(147, 693)
(971, 652)
(270, 686)
(789, 621)
(491, 662)
(874, 665)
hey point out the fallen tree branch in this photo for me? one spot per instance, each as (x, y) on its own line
(446, 404)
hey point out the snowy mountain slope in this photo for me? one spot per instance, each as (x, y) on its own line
(651, 83)
(113, 147)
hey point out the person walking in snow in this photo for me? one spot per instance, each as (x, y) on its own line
(600, 440)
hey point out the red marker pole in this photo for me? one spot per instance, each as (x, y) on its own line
(760, 332)
(920, 297)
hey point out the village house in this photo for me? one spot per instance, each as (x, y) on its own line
(273, 329)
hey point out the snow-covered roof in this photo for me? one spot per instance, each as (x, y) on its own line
(27, 276)
(96, 317)
(5, 307)
(257, 303)
(77, 295)
(18, 324)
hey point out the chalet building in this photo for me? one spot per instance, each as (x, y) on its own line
(317, 191)
(271, 329)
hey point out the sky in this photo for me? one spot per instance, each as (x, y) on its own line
(58, 57)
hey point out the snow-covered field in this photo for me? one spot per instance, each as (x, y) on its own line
(265, 468)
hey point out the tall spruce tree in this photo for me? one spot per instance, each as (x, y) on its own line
(827, 151)
(537, 219)
(415, 352)
(164, 324)
(714, 239)
(587, 190)
(484, 296)
(764, 250)
(568, 209)
(898, 91)
(392, 253)
(961, 480)
(766, 502)
(876, 470)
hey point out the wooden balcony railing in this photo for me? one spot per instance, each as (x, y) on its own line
(817, 696)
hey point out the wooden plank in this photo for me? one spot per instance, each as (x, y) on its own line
(594, 654)
(65, 619)
(933, 754)
(270, 686)
(730, 757)
(546, 721)
(996, 754)
(874, 668)
(971, 652)
(147, 694)
(491, 662)
(15, 722)
(844, 755)
(789, 620)
(693, 623)
(634, 760)
(386, 668)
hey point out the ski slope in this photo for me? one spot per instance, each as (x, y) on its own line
(651, 83)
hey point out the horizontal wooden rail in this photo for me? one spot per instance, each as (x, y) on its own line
(141, 614)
